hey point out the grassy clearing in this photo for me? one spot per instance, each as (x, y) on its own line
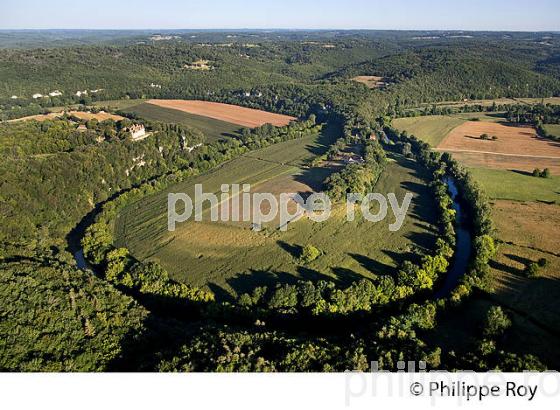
(434, 128)
(499, 101)
(431, 129)
(553, 129)
(533, 299)
(118, 104)
(480, 116)
(370, 81)
(531, 303)
(213, 129)
(551, 100)
(230, 258)
(517, 186)
(538, 221)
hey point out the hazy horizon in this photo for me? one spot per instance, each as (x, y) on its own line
(398, 15)
(273, 29)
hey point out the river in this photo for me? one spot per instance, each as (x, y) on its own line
(458, 265)
(80, 260)
(463, 245)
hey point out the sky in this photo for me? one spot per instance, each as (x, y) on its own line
(510, 15)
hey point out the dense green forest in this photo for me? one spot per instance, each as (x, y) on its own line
(61, 184)
(282, 74)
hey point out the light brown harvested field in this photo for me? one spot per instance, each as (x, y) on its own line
(370, 81)
(508, 162)
(529, 232)
(294, 181)
(246, 117)
(100, 116)
(551, 100)
(38, 117)
(516, 148)
(539, 222)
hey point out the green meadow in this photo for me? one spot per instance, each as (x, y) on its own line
(517, 185)
(231, 258)
(431, 129)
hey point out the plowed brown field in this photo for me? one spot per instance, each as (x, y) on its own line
(246, 117)
(517, 148)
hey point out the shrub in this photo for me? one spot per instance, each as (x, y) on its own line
(284, 296)
(496, 323)
(245, 300)
(542, 262)
(486, 347)
(545, 173)
(532, 270)
(309, 253)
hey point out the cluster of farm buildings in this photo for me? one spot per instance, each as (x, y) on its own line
(57, 93)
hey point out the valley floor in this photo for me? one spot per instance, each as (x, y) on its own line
(231, 258)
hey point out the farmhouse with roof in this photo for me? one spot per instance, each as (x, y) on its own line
(137, 132)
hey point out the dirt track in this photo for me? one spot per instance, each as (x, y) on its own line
(246, 117)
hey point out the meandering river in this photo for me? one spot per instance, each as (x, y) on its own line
(463, 244)
(80, 260)
(458, 266)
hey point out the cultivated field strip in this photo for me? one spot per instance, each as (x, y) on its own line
(245, 117)
(431, 129)
(213, 129)
(147, 219)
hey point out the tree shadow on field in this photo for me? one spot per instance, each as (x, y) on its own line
(505, 268)
(431, 229)
(373, 266)
(345, 276)
(312, 275)
(327, 137)
(400, 257)
(230, 135)
(542, 201)
(314, 178)
(422, 207)
(517, 171)
(221, 293)
(422, 241)
(294, 250)
(524, 261)
(408, 164)
(247, 282)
